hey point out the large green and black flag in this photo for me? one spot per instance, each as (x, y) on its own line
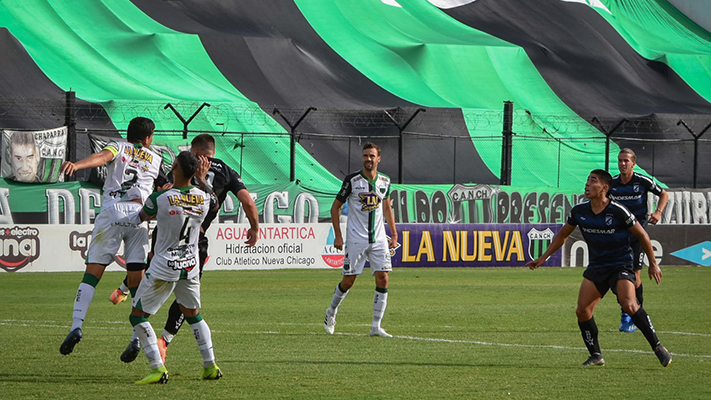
(367, 66)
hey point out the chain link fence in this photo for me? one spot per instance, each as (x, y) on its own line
(419, 145)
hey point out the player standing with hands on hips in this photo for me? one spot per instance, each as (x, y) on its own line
(630, 189)
(605, 226)
(368, 196)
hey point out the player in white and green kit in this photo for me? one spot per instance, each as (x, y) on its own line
(175, 266)
(133, 169)
(368, 196)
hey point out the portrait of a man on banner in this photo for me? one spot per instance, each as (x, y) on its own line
(33, 156)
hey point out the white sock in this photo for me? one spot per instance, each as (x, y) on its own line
(134, 336)
(380, 302)
(147, 337)
(167, 336)
(203, 337)
(336, 301)
(124, 288)
(85, 293)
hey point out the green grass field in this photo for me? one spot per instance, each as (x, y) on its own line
(459, 333)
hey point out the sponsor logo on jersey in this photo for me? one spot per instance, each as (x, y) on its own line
(538, 242)
(187, 265)
(370, 201)
(138, 154)
(186, 200)
(19, 246)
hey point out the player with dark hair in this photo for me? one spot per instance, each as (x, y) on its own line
(368, 196)
(132, 172)
(630, 189)
(179, 211)
(219, 178)
(606, 226)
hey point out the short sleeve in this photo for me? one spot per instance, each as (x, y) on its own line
(345, 191)
(655, 188)
(571, 218)
(150, 206)
(113, 148)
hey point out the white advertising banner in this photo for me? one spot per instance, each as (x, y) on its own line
(279, 246)
(54, 248)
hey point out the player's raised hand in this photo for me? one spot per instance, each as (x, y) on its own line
(203, 168)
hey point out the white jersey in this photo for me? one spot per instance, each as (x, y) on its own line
(179, 212)
(130, 173)
(365, 211)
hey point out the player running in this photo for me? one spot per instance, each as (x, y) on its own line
(179, 211)
(132, 171)
(606, 226)
(630, 189)
(366, 191)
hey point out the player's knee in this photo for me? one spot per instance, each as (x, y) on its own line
(629, 306)
(583, 314)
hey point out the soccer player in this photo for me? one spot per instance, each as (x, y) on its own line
(368, 196)
(220, 178)
(132, 172)
(630, 189)
(605, 226)
(179, 211)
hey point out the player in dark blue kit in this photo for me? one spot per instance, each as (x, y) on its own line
(605, 226)
(630, 189)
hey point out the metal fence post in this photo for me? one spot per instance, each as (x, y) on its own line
(401, 129)
(696, 145)
(292, 143)
(183, 120)
(608, 136)
(507, 144)
(70, 121)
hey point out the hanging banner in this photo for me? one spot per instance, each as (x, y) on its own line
(33, 156)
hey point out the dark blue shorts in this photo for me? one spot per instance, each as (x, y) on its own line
(605, 278)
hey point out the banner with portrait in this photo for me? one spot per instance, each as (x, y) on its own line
(33, 156)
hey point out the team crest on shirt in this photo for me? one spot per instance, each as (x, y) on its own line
(370, 201)
(538, 242)
(636, 187)
(608, 220)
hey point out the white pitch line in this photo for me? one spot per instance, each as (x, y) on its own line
(51, 324)
(532, 346)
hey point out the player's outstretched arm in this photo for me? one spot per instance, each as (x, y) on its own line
(94, 160)
(558, 241)
(390, 219)
(336, 222)
(250, 210)
(654, 271)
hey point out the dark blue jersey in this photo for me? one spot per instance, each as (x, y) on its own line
(606, 233)
(633, 194)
